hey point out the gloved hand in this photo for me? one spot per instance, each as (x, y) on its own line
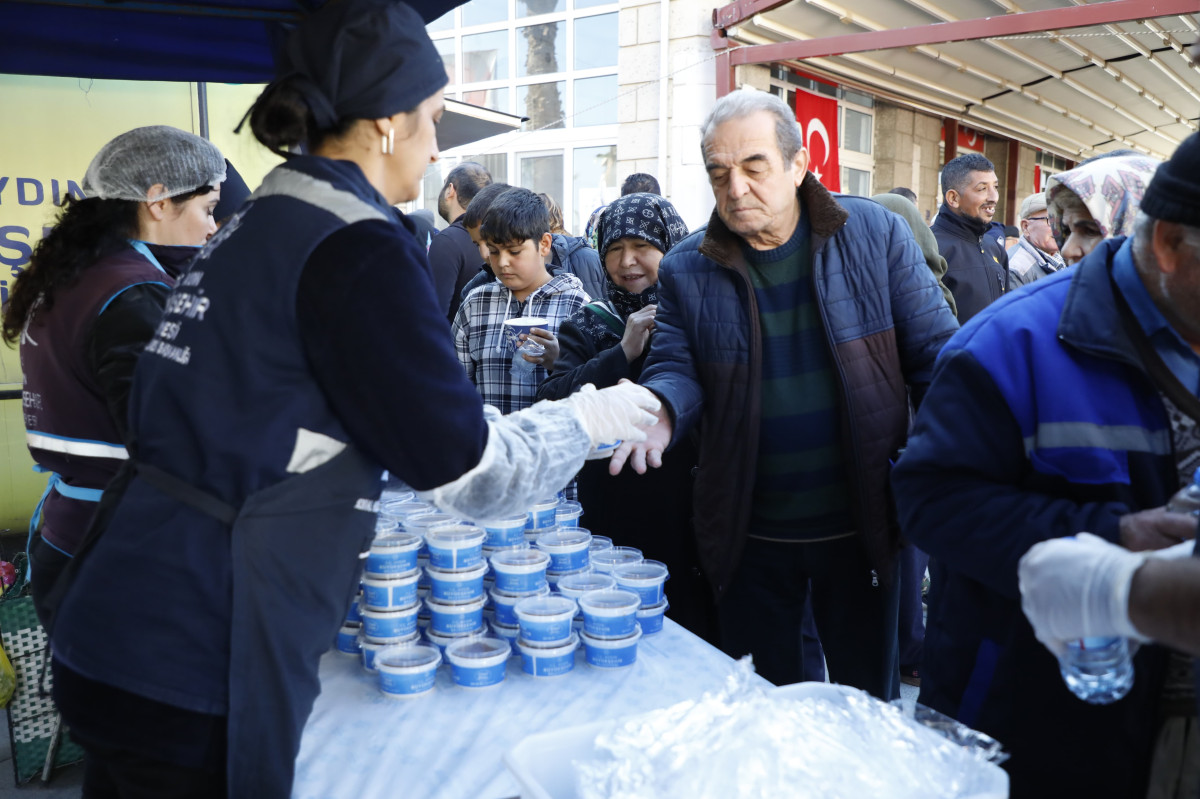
(1078, 588)
(616, 413)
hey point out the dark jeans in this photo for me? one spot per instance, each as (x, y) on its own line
(763, 610)
(137, 748)
(46, 563)
(912, 619)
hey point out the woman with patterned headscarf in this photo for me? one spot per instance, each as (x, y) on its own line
(605, 341)
(1097, 200)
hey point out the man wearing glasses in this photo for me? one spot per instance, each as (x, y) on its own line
(1035, 254)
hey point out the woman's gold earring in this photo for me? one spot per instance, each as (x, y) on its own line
(389, 142)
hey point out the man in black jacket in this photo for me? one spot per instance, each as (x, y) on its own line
(453, 256)
(977, 272)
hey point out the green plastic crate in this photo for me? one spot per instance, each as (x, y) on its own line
(31, 717)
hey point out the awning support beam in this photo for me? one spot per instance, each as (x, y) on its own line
(1024, 22)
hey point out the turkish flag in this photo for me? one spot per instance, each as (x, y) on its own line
(818, 118)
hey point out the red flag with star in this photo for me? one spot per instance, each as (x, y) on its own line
(818, 118)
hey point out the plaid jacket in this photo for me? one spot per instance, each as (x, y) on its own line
(482, 348)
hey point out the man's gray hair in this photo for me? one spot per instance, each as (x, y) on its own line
(746, 101)
(1143, 236)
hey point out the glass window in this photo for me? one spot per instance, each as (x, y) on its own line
(485, 57)
(495, 163)
(543, 104)
(445, 48)
(543, 172)
(858, 98)
(595, 101)
(542, 49)
(591, 3)
(593, 181)
(443, 23)
(596, 41)
(495, 99)
(856, 181)
(481, 12)
(531, 8)
(857, 126)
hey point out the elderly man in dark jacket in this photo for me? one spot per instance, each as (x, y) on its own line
(1069, 406)
(788, 331)
(977, 265)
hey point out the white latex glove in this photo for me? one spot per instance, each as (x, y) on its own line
(1078, 588)
(616, 413)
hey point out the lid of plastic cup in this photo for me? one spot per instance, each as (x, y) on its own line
(396, 540)
(568, 507)
(454, 534)
(520, 557)
(586, 581)
(503, 521)
(411, 656)
(505, 598)
(546, 606)
(642, 570)
(477, 648)
(564, 537)
(542, 503)
(428, 521)
(526, 321)
(407, 510)
(610, 598)
(600, 542)
(617, 555)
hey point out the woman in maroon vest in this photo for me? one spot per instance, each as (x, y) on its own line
(90, 299)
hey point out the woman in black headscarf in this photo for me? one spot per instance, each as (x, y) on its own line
(608, 340)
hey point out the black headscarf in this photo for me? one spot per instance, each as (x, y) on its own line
(362, 59)
(642, 216)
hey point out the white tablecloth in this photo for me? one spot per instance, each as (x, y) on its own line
(360, 744)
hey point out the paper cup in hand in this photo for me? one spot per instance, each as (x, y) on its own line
(514, 328)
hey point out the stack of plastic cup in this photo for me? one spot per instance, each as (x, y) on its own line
(567, 513)
(576, 585)
(546, 641)
(645, 579)
(456, 568)
(610, 628)
(569, 550)
(541, 518)
(407, 671)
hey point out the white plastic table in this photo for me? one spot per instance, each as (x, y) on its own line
(360, 744)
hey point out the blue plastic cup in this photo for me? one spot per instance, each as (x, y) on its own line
(548, 661)
(611, 653)
(568, 548)
(611, 613)
(478, 662)
(390, 592)
(519, 571)
(407, 671)
(545, 619)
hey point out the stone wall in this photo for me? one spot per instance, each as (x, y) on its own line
(691, 92)
(907, 154)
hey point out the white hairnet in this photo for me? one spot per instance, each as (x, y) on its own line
(129, 165)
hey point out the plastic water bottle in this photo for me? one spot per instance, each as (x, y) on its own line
(521, 368)
(1098, 670)
(1187, 499)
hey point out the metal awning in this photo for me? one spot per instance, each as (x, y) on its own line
(464, 123)
(1066, 76)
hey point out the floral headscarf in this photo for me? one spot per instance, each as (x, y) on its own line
(643, 216)
(1111, 189)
